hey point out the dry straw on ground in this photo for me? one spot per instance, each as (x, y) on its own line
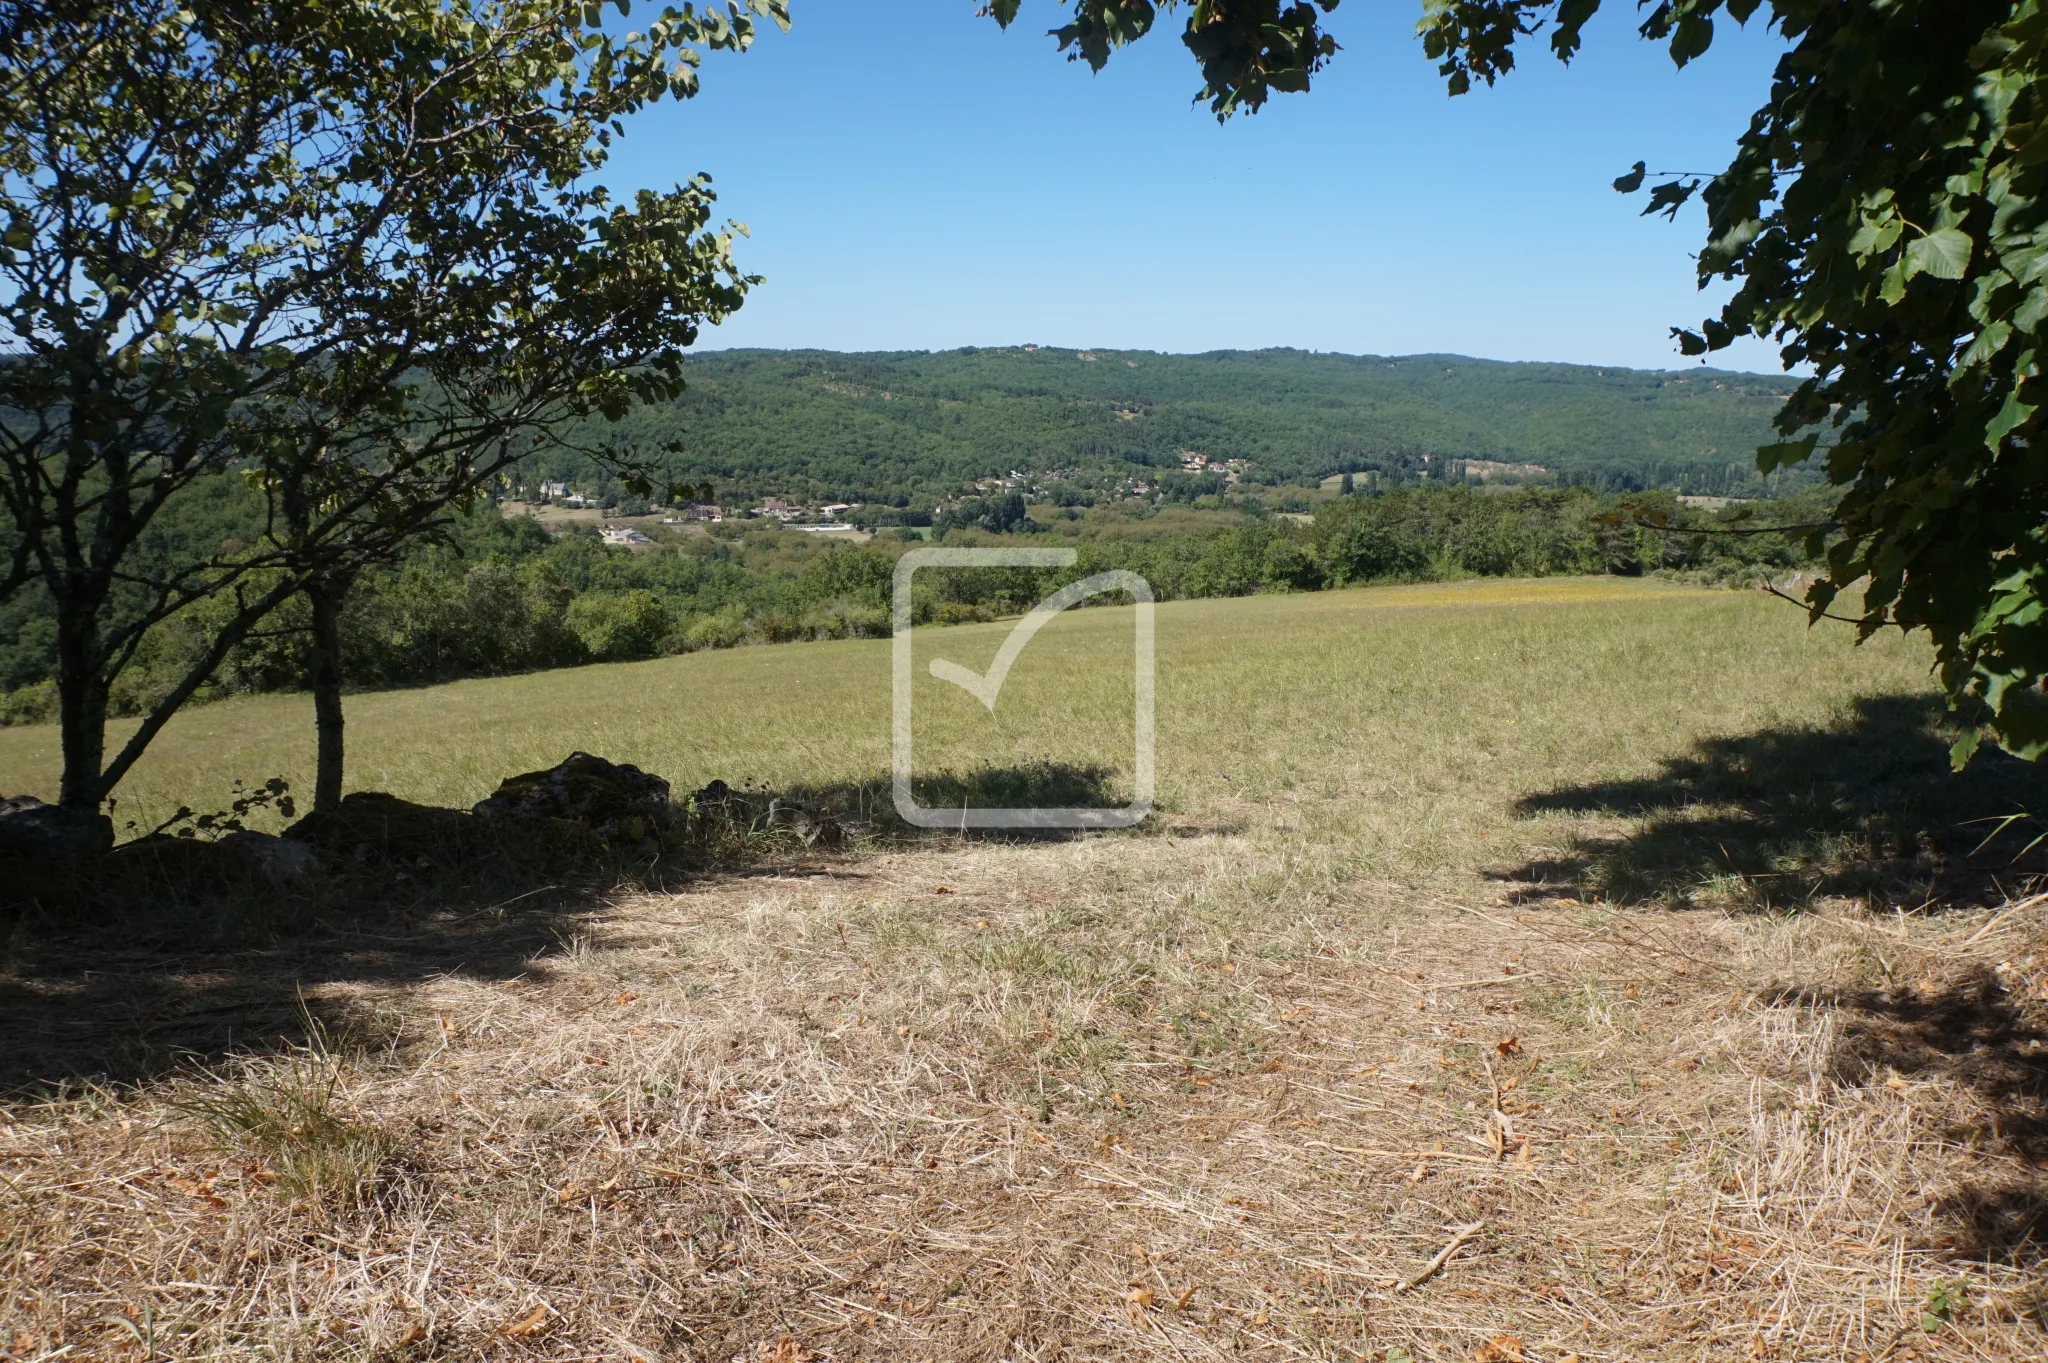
(1254, 1084)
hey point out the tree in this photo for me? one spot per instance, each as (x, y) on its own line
(1885, 218)
(346, 250)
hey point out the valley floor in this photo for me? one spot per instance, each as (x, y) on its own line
(1600, 972)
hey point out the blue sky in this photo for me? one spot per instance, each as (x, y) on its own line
(916, 178)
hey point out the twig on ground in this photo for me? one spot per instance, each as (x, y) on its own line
(1459, 1236)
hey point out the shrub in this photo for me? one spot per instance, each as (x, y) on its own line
(777, 629)
(722, 630)
(33, 704)
(616, 626)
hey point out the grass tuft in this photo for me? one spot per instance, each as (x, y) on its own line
(290, 1114)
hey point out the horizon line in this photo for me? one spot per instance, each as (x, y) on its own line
(1037, 347)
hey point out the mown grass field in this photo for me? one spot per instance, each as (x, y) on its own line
(1540, 970)
(1419, 705)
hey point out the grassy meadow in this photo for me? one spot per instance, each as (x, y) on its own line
(1408, 716)
(1563, 970)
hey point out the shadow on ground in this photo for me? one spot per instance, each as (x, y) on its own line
(868, 807)
(1779, 818)
(1971, 1033)
(128, 975)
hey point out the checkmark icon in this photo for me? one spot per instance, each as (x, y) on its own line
(986, 686)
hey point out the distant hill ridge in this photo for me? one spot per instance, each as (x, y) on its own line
(877, 426)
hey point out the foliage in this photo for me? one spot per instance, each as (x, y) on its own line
(1246, 48)
(349, 253)
(916, 429)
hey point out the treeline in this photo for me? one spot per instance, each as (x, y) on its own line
(911, 429)
(500, 595)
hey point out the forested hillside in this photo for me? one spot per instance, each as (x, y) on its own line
(912, 427)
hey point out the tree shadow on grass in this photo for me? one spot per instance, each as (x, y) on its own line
(1027, 786)
(1777, 819)
(1991, 1050)
(162, 960)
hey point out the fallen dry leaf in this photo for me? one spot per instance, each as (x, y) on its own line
(1141, 1298)
(194, 1188)
(1501, 1349)
(784, 1350)
(527, 1324)
(1512, 1046)
(942, 889)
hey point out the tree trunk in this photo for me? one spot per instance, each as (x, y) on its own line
(323, 678)
(81, 717)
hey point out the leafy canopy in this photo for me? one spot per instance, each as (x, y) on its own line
(349, 250)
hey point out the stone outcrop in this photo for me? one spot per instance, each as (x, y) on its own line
(34, 831)
(582, 788)
(369, 823)
(284, 862)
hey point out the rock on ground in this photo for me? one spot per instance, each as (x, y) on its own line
(31, 829)
(583, 788)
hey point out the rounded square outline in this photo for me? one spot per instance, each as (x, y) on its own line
(925, 816)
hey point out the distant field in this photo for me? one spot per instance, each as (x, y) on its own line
(1436, 702)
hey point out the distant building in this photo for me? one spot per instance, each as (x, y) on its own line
(837, 507)
(623, 534)
(548, 490)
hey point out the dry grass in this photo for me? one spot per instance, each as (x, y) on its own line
(1227, 1089)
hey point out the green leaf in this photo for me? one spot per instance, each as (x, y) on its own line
(1943, 253)
(1893, 288)
(2027, 316)
(1669, 198)
(1874, 237)
(1693, 36)
(2010, 418)
(1571, 17)
(1989, 342)
(1785, 453)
